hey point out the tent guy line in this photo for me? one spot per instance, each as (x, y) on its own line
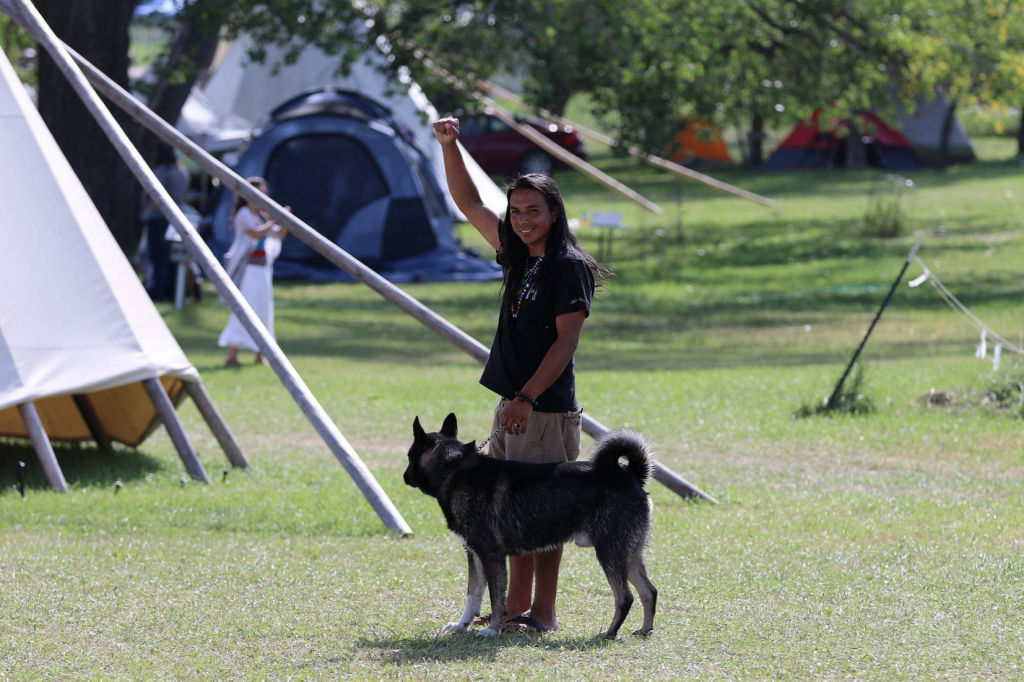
(330, 251)
(954, 303)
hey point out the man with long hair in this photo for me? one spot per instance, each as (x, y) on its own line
(549, 281)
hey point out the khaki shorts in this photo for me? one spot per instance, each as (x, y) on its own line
(549, 437)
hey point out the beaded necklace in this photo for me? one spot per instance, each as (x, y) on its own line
(528, 279)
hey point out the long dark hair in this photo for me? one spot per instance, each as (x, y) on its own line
(561, 240)
(240, 201)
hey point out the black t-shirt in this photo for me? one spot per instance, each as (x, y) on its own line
(563, 285)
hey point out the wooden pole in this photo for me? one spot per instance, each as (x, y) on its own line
(317, 242)
(538, 138)
(691, 174)
(831, 404)
(165, 409)
(341, 448)
(501, 92)
(44, 450)
(564, 155)
(217, 424)
(653, 160)
(85, 408)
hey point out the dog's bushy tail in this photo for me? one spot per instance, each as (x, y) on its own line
(618, 444)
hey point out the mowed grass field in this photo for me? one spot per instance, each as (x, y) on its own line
(885, 546)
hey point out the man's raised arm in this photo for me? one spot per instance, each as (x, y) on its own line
(461, 185)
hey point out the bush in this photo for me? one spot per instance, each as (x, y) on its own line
(1001, 391)
(884, 217)
(851, 399)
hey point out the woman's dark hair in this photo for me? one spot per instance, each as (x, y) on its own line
(240, 201)
(561, 240)
(165, 155)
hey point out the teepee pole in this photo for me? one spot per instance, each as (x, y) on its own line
(92, 422)
(483, 85)
(169, 418)
(652, 159)
(217, 424)
(564, 155)
(324, 247)
(44, 450)
(309, 405)
(328, 249)
(538, 138)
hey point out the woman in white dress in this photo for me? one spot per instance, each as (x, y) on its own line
(250, 263)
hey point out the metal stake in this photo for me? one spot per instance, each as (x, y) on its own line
(830, 405)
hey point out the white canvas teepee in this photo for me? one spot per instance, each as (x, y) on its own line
(240, 91)
(75, 320)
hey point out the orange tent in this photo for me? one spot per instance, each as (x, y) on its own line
(698, 141)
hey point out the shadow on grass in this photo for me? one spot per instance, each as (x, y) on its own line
(773, 185)
(634, 317)
(445, 647)
(767, 272)
(83, 466)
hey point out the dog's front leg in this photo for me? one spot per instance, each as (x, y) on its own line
(474, 594)
(496, 573)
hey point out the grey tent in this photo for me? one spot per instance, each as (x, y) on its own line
(924, 130)
(346, 168)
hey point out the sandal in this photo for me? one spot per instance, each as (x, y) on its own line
(530, 625)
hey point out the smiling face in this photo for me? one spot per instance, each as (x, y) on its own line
(531, 218)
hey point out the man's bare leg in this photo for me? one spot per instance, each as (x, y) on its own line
(520, 584)
(520, 587)
(546, 567)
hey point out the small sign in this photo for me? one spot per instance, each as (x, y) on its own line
(605, 219)
(179, 253)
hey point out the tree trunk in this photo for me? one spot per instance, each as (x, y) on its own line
(755, 141)
(98, 30)
(561, 102)
(1020, 134)
(856, 154)
(192, 52)
(947, 132)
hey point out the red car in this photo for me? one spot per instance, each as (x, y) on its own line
(500, 150)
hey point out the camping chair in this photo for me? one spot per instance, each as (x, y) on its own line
(607, 222)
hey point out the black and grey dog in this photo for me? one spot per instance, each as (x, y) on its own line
(500, 508)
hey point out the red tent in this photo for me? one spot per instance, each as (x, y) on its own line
(808, 146)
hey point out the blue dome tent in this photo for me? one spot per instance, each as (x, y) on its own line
(349, 170)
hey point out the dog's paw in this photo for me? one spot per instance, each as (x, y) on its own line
(642, 632)
(488, 632)
(455, 627)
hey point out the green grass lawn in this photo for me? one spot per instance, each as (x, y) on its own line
(886, 546)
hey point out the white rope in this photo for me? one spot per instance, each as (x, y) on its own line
(954, 303)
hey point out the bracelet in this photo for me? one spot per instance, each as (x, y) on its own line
(520, 394)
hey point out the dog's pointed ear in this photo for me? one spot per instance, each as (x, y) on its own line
(465, 451)
(450, 428)
(417, 430)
